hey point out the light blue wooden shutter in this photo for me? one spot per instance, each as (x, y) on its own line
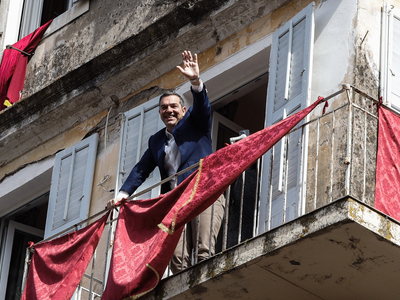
(140, 123)
(288, 90)
(390, 57)
(71, 186)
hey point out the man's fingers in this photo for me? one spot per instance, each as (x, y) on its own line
(111, 204)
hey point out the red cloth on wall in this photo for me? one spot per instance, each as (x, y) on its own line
(13, 66)
(148, 230)
(387, 189)
(57, 266)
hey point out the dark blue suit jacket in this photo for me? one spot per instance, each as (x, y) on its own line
(192, 135)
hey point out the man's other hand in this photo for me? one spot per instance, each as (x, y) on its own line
(111, 204)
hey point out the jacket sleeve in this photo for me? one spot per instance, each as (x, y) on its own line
(201, 113)
(139, 173)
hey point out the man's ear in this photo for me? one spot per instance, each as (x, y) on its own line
(184, 110)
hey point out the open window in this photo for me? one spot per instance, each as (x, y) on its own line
(242, 109)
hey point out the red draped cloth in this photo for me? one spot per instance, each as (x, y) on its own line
(148, 230)
(13, 67)
(387, 189)
(57, 266)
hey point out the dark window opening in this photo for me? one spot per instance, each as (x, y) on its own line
(52, 9)
(246, 108)
(31, 215)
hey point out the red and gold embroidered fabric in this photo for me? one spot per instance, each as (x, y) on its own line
(387, 189)
(58, 265)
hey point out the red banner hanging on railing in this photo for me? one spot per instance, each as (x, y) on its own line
(58, 265)
(387, 189)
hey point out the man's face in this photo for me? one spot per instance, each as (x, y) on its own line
(171, 111)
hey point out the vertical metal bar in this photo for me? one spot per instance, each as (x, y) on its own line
(226, 218)
(286, 177)
(183, 246)
(26, 268)
(301, 203)
(332, 156)
(365, 157)
(109, 245)
(92, 273)
(316, 164)
(241, 208)
(270, 188)
(79, 291)
(257, 201)
(119, 171)
(349, 142)
(211, 231)
(196, 244)
(71, 172)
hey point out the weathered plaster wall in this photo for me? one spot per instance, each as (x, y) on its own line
(334, 50)
(352, 56)
(365, 130)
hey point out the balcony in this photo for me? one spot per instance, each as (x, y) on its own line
(333, 245)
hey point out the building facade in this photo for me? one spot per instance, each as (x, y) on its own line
(90, 103)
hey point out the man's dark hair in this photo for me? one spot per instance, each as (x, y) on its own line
(166, 94)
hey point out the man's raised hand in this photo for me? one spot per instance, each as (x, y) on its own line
(190, 68)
